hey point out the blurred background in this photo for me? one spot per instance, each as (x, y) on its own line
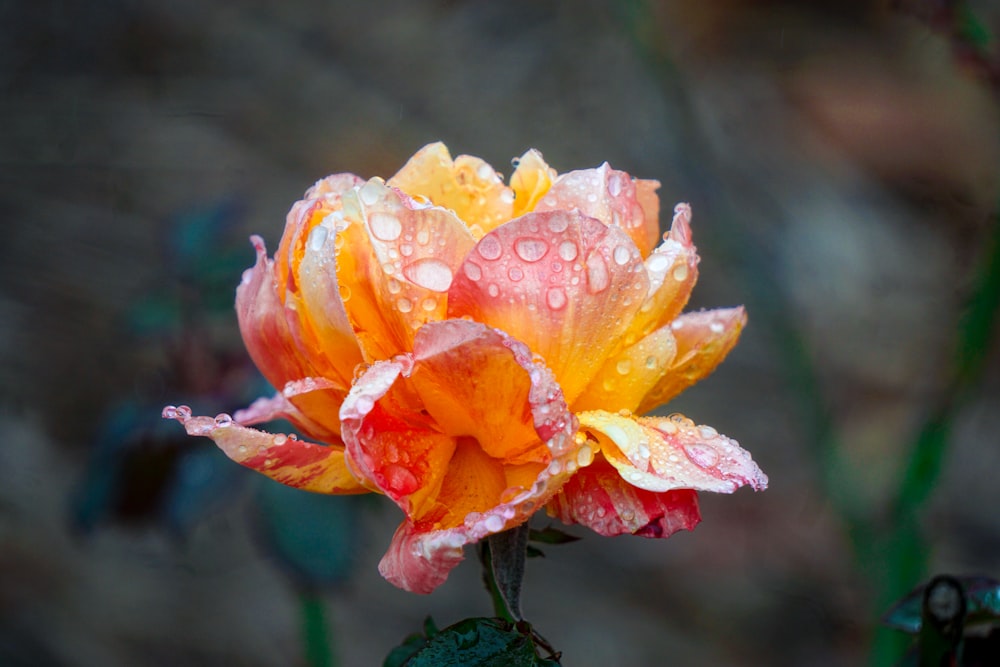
(842, 160)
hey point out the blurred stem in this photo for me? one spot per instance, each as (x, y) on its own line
(315, 630)
(503, 556)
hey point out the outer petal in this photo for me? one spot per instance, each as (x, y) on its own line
(531, 180)
(468, 186)
(318, 397)
(395, 263)
(609, 196)
(704, 339)
(667, 453)
(672, 269)
(281, 457)
(600, 499)
(424, 428)
(564, 284)
(631, 374)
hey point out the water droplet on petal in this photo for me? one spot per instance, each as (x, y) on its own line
(317, 237)
(598, 277)
(558, 224)
(429, 304)
(280, 439)
(494, 523)
(384, 226)
(716, 327)
(404, 305)
(423, 237)
(370, 192)
(430, 273)
(584, 455)
(650, 362)
(531, 249)
(614, 185)
(568, 251)
(657, 262)
(680, 272)
(485, 172)
(473, 271)
(393, 286)
(399, 481)
(493, 290)
(515, 273)
(489, 247)
(622, 255)
(507, 196)
(623, 366)
(222, 420)
(555, 297)
(702, 455)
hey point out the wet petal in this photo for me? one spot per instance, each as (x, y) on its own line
(531, 180)
(631, 374)
(598, 497)
(672, 269)
(395, 262)
(610, 196)
(283, 458)
(704, 338)
(666, 453)
(468, 186)
(325, 427)
(564, 284)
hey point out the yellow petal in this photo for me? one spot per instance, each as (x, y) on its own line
(531, 180)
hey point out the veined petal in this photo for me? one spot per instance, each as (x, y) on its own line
(609, 196)
(395, 262)
(666, 453)
(320, 400)
(531, 180)
(628, 376)
(564, 284)
(672, 269)
(468, 186)
(704, 338)
(283, 458)
(598, 497)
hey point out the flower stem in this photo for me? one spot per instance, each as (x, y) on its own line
(315, 634)
(503, 556)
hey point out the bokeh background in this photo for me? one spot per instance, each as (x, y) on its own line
(842, 159)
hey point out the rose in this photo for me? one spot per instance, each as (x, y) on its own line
(476, 352)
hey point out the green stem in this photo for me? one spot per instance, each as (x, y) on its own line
(503, 556)
(315, 630)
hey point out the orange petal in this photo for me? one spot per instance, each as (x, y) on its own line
(672, 269)
(704, 339)
(564, 284)
(645, 194)
(609, 196)
(597, 497)
(311, 404)
(628, 376)
(395, 262)
(531, 180)
(666, 453)
(468, 186)
(283, 458)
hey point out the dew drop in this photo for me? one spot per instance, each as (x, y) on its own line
(657, 262)
(485, 172)
(345, 293)
(584, 456)
(701, 455)
(405, 249)
(393, 286)
(429, 304)
(651, 362)
(507, 196)
(317, 237)
(423, 237)
(489, 247)
(280, 439)
(494, 523)
(531, 249)
(558, 223)
(614, 185)
(364, 404)
(621, 255)
(515, 273)
(404, 305)
(493, 290)
(399, 480)
(555, 467)
(623, 366)
(568, 251)
(384, 226)
(598, 277)
(555, 297)
(707, 432)
(680, 272)
(716, 327)
(473, 271)
(430, 273)
(370, 192)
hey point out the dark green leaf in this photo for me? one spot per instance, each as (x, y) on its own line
(551, 535)
(473, 642)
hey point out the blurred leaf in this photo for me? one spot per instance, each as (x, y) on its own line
(313, 537)
(550, 535)
(473, 642)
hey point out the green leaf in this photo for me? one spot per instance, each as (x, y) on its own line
(473, 642)
(550, 535)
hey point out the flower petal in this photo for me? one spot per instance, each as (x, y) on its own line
(531, 180)
(704, 338)
(597, 497)
(283, 458)
(631, 374)
(610, 196)
(395, 262)
(317, 397)
(563, 283)
(672, 269)
(667, 453)
(468, 186)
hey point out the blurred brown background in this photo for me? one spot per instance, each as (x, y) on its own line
(842, 164)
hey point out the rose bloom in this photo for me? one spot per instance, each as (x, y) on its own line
(478, 351)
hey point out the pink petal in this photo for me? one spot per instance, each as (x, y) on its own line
(564, 284)
(283, 458)
(597, 497)
(395, 262)
(609, 196)
(667, 453)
